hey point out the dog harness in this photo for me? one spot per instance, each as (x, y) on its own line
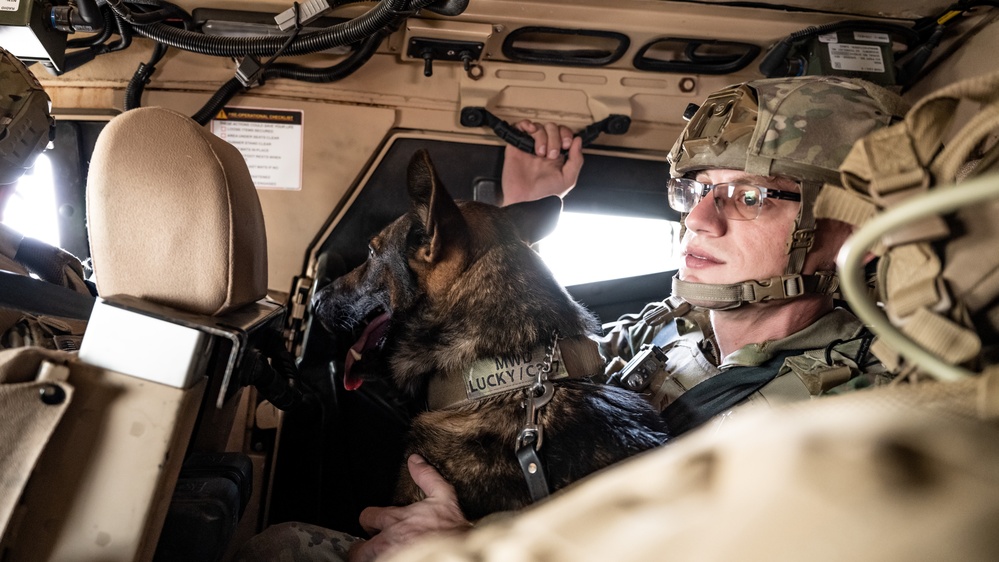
(532, 372)
(572, 358)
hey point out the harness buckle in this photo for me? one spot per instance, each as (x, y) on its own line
(531, 433)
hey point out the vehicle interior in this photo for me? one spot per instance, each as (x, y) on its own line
(206, 265)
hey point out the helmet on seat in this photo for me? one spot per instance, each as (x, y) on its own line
(801, 128)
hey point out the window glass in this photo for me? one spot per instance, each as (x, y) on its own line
(31, 210)
(587, 247)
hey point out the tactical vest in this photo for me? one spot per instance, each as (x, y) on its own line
(830, 356)
(27, 256)
(938, 277)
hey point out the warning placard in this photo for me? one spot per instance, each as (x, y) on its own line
(270, 141)
(862, 58)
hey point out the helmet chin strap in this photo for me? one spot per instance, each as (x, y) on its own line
(725, 297)
(790, 285)
(803, 235)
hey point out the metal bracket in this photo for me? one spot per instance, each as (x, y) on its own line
(468, 52)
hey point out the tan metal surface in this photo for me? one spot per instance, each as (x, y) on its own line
(103, 484)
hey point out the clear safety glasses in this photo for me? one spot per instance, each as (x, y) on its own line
(737, 200)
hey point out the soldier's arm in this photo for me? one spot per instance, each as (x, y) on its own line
(395, 527)
(527, 177)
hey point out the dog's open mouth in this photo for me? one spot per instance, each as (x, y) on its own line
(373, 337)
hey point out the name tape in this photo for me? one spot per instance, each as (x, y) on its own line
(499, 375)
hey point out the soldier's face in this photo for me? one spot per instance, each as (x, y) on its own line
(721, 251)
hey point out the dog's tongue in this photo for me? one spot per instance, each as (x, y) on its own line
(373, 332)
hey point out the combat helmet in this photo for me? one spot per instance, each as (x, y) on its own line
(800, 127)
(26, 127)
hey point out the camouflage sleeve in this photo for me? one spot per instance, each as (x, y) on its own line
(297, 541)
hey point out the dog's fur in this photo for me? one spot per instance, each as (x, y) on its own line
(461, 283)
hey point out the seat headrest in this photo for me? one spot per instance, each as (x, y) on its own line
(173, 215)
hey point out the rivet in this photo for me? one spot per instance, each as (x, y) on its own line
(532, 468)
(52, 394)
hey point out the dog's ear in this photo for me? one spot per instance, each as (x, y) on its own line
(442, 220)
(535, 219)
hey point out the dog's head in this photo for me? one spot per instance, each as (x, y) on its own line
(413, 296)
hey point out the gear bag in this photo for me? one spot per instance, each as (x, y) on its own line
(939, 277)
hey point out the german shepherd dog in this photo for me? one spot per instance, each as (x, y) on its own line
(451, 285)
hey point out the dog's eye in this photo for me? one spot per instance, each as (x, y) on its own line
(371, 251)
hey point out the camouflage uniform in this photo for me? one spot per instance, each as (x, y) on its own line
(835, 359)
(799, 128)
(803, 130)
(25, 256)
(26, 127)
(298, 542)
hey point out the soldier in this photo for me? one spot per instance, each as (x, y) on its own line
(751, 319)
(26, 128)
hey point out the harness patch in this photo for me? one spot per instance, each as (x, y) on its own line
(506, 373)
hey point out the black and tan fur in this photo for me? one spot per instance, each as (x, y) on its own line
(461, 283)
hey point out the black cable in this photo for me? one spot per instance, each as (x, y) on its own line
(346, 33)
(238, 84)
(98, 39)
(929, 66)
(218, 100)
(338, 71)
(284, 46)
(142, 76)
(125, 33)
(360, 55)
(167, 11)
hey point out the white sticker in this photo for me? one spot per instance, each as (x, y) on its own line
(270, 141)
(859, 58)
(829, 38)
(871, 37)
(9, 5)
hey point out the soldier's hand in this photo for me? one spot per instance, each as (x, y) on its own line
(527, 177)
(394, 527)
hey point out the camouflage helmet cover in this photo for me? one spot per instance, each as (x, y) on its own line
(801, 127)
(26, 125)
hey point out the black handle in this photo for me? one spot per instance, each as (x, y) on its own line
(615, 124)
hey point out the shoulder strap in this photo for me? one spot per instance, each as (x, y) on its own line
(720, 393)
(23, 293)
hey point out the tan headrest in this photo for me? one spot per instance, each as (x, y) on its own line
(173, 215)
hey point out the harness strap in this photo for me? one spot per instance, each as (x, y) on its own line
(26, 294)
(534, 473)
(720, 393)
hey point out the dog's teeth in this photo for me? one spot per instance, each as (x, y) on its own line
(355, 354)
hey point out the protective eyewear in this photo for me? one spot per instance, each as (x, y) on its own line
(734, 200)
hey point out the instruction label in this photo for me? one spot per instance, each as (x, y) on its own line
(9, 5)
(860, 58)
(871, 37)
(270, 141)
